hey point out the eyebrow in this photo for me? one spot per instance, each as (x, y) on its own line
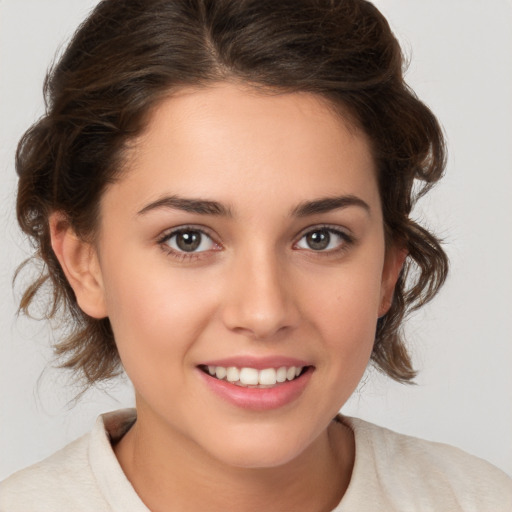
(199, 206)
(328, 204)
(208, 207)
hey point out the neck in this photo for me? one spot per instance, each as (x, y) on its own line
(170, 471)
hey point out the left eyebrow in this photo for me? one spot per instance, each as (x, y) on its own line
(328, 204)
(199, 206)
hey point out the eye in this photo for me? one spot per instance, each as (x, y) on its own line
(188, 240)
(323, 239)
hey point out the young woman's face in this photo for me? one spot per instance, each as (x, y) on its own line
(245, 239)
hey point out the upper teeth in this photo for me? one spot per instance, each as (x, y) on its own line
(253, 377)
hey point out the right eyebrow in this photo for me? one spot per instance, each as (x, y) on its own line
(199, 206)
(327, 204)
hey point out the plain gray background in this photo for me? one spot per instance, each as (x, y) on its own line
(461, 52)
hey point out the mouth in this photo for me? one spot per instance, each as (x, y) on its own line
(247, 377)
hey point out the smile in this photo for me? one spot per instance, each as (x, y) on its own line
(252, 377)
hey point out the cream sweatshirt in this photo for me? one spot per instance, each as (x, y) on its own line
(392, 472)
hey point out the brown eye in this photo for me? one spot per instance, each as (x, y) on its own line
(318, 240)
(323, 239)
(190, 240)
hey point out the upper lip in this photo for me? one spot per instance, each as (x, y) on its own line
(258, 363)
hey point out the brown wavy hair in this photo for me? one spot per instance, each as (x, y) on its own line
(129, 54)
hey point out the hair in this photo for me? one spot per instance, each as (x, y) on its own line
(130, 54)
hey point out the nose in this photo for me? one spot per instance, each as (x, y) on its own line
(259, 301)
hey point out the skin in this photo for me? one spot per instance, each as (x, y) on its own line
(255, 288)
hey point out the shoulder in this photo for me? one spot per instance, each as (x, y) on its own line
(425, 475)
(70, 479)
(46, 483)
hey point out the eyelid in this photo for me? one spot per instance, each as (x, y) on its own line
(169, 233)
(344, 233)
(340, 231)
(329, 227)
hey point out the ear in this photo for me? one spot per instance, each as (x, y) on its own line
(393, 263)
(80, 264)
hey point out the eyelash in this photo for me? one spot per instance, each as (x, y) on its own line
(183, 255)
(347, 241)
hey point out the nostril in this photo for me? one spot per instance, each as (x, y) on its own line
(259, 308)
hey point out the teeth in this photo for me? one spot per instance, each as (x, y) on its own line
(267, 377)
(252, 377)
(220, 372)
(281, 374)
(232, 374)
(249, 376)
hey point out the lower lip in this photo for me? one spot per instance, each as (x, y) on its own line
(258, 399)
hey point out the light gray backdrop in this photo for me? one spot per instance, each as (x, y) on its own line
(461, 54)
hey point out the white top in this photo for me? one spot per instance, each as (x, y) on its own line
(392, 472)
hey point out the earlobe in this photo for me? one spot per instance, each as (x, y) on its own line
(394, 262)
(80, 264)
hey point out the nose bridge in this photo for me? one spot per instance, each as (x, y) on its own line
(258, 301)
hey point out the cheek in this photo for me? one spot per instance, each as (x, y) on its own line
(156, 313)
(346, 314)
(349, 297)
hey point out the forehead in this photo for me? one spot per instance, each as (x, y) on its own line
(230, 141)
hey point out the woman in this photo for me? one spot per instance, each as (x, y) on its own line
(221, 192)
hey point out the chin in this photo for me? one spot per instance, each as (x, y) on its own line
(259, 458)
(259, 450)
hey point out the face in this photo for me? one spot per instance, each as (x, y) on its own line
(242, 264)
